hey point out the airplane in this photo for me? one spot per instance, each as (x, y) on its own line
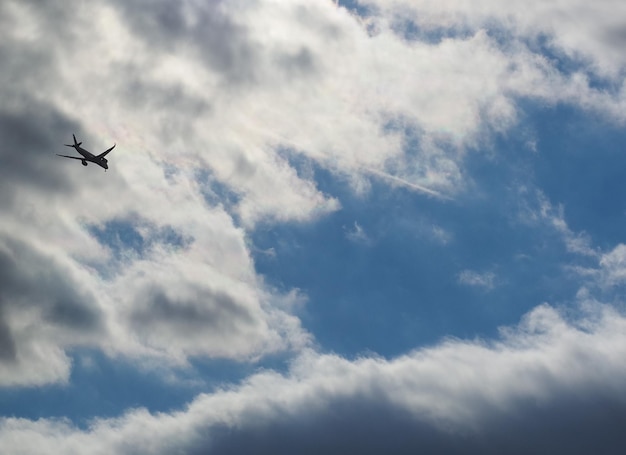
(100, 160)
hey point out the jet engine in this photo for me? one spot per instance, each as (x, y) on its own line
(84, 162)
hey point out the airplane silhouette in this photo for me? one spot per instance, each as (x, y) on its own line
(100, 160)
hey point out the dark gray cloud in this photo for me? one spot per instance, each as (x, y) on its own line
(31, 281)
(298, 63)
(182, 318)
(73, 313)
(572, 424)
(170, 103)
(141, 93)
(137, 236)
(7, 343)
(614, 37)
(32, 129)
(221, 42)
(30, 135)
(211, 311)
(42, 308)
(224, 43)
(336, 412)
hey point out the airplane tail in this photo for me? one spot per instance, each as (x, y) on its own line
(76, 144)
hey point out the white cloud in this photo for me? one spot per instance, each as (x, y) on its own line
(442, 235)
(486, 280)
(538, 209)
(357, 234)
(579, 29)
(220, 87)
(613, 266)
(453, 396)
(63, 289)
(310, 93)
(330, 91)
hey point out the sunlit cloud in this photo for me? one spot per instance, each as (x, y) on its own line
(235, 119)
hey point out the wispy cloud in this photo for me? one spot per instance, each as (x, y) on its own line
(357, 234)
(441, 235)
(612, 268)
(577, 29)
(536, 208)
(485, 280)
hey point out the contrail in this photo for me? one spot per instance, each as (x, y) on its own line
(406, 183)
(413, 186)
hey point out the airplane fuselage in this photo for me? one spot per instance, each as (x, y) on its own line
(86, 156)
(102, 162)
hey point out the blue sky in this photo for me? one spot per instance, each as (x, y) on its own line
(380, 225)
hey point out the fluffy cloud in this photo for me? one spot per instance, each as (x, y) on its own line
(191, 293)
(206, 86)
(582, 31)
(547, 382)
(184, 86)
(69, 277)
(611, 271)
(221, 99)
(211, 87)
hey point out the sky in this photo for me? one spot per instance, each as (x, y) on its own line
(332, 227)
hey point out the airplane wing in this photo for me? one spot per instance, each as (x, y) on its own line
(103, 154)
(73, 157)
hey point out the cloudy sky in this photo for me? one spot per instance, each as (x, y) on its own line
(366, 226)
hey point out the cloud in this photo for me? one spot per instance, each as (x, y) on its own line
(547, 382)
(441, 235)
(484, 280)
(611, 270)
(184, 284)
(579, 30)
(205, 86)
(181, 283)
(26, 132)
(538, 209)
(203, 98)
(357, 234)
(43, 308)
